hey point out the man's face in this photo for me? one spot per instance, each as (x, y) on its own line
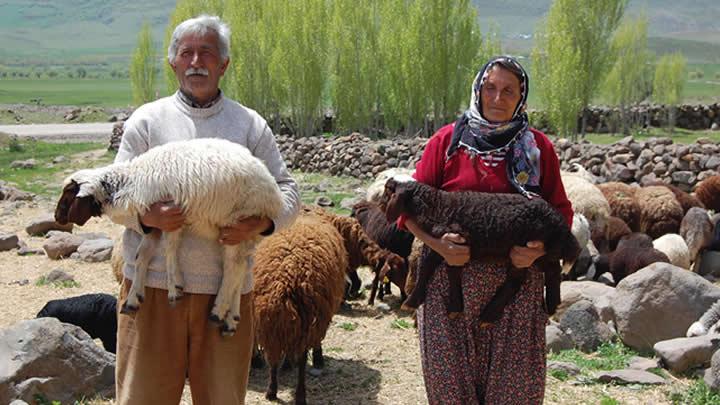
(199, 66)
(500, 95)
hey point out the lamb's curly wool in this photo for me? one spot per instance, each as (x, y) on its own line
(587, 199)
(492, 223)
(660, 211)
(299, 284)
(623, 204)
(708, 192)
(634, 252)
(616, 229)
(686, 200)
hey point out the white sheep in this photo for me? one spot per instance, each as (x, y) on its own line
(587, 199)
(215, 181)
(674, 246)
(376, 189)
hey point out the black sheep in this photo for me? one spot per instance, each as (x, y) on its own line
(387, 236)
(96, 314)
(634, 252)
(492, 223)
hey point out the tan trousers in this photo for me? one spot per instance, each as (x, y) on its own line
(159, 346)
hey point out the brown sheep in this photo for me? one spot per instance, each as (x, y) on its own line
(660, 211)
(708, 192)
(299, 285)
(616, 229)
(623, 205)
(634, 252)
(686, 200)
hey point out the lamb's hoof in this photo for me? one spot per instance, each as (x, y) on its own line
(226, 330)
(485, 325)
(216, 319)
(236, 318)
(179, 288)
(270, 396)
(128, 309)
(140, 298)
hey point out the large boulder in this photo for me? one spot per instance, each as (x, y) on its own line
(681, 354)
(659, 303)
(56, 360)
(582, 323)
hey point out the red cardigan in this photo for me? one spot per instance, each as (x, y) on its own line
(460, 173)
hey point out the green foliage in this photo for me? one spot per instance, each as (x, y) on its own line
(572, 55)
(669, 79)
(400, 324)
(14, 145)
(348, 326)
(42, 281)
(606, 400)
(698, 394)
(561, 375)
(609, 356)
(142, 68)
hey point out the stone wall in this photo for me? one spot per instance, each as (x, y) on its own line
(628, 160)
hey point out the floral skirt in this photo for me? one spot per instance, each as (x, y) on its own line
(466, 364)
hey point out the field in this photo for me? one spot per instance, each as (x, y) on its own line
(80, 92)
(372, 354)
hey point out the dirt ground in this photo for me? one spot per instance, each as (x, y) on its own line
(368, 360)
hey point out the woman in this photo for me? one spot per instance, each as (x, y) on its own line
(491, 149)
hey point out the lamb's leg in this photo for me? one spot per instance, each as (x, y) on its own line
(317, 357)
(503, 295)
(146, 249)
(271, 393)
(553, 277)
(455, 304)
(375, 282)
(300, 389)
(227, 302)
(174, 276)
(429, 260)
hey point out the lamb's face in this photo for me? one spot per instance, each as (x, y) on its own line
(395, 198)
(77, 204)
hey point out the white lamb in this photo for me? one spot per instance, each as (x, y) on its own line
(215, 181)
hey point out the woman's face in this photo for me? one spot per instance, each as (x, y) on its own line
(500, 95)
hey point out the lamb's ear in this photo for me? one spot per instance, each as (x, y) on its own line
(66, 199)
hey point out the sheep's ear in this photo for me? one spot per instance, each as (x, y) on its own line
(66, 199)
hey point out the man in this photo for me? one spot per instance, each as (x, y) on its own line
(160, 345)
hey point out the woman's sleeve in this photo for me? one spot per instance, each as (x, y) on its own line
(551, 184)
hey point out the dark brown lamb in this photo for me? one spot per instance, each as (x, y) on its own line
(634, 252)
(492, 223)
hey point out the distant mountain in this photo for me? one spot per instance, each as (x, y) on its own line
(93, 31)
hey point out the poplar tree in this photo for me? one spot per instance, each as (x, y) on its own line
(669, 83)
(143, 68)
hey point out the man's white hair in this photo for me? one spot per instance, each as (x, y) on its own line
(201, 25)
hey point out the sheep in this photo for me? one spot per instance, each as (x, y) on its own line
(215, 181)
(616, 229)
(375, 190)
(686, 200)
(660, 211)
(697, 231)
(634, 252)
(387, 236)
(581, 229)
(623, 204)
(674, 246)
(709, 322)
(96, 314)
(493, 223)
(362, 250)
(299, 283)
(587, 199)
(708, 192)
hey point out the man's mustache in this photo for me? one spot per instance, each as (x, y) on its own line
(198, 71)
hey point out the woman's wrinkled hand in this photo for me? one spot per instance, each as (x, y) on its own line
(524, 256)
(452, 247)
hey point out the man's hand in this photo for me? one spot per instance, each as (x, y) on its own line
(452, 248)
(524, 256)
(164, 215)
(244, 229)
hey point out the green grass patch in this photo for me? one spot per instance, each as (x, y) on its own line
(348, 326)
(400, 324)
(698, 394)
(336, 188)
(609, 356)
(606, 400)
(43, 281)
(80, 92)
(45, 178)
(561, 375)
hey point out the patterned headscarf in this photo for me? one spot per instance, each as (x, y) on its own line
(512, 139)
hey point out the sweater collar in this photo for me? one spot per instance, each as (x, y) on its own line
(187, 105)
